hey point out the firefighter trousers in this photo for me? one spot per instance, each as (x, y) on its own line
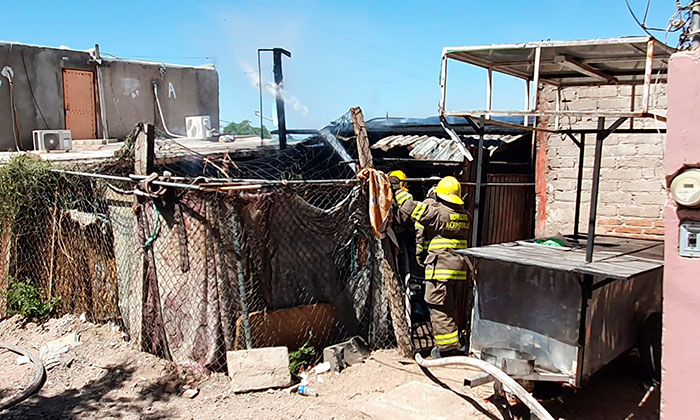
(448, 302)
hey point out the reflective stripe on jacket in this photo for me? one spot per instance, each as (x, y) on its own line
(446, 227)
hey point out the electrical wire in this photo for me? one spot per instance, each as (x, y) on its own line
(160, 111)
(31, 90)
(642, 24)
(16, 131)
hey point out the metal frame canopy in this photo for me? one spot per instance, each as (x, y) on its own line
(590, 62)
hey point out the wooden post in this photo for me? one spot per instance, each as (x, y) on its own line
(363, 151)
(394, 286)
(144, 151)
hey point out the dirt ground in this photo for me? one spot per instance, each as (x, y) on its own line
(105, 377)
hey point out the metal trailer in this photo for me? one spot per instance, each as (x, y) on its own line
(573, 316)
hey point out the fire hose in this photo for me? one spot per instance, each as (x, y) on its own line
(497, 373)
(34, 386)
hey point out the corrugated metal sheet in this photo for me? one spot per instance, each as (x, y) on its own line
(435, 148)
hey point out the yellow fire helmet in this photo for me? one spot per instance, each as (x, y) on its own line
(449, 190)
(400, 175)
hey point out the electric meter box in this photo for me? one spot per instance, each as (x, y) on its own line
(685, 188)
(689, 239)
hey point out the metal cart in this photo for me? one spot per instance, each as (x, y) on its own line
(573, 316)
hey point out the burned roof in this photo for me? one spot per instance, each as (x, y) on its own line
(442, 149)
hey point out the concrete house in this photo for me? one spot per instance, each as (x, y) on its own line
(44, 88)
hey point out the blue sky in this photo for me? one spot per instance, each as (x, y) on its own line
(381, 55)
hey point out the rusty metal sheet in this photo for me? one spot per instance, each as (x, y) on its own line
(79, 103)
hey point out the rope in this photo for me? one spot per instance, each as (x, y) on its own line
(155, 230)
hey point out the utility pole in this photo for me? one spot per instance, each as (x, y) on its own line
(277, 69)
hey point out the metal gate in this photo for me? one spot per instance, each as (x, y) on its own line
(509, 209)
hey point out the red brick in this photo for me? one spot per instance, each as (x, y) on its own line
(610, 222)
(659, 223)
(642, 223)
(655, 231)
(629, 229)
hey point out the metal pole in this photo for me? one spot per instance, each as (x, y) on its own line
(443, 84)
(649, 63)
(695, 27)
(526, 119)
(489, 91)
(101, 90)
(261, 98)
(597, 158)
(478, 196)
(227, 181)
(581, 154)
(536, 78)
(277, 68)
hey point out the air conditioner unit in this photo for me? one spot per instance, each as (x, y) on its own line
(198, 127)
(48, 140)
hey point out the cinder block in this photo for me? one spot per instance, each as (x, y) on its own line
(614, 103)
(256, 369)
(657, 199)
(347, 353)
(652, 212)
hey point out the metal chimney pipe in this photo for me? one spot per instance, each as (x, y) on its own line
(277, 69)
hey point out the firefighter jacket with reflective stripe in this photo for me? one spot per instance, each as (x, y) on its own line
(402, 221)
(445, 228)
(421, 244)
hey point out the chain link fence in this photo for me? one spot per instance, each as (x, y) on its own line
(191, 273)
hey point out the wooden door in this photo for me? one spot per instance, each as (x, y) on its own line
(79, 103)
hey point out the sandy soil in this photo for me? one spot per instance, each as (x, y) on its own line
(105, 377)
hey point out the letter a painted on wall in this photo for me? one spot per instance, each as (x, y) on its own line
(171, 91)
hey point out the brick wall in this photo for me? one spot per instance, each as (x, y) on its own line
(632, 195)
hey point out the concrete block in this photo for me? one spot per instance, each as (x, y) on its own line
(564, 196)
(641, 186)
(650, 150)
(347, 353)
(613, 103)
(605, 210)
(657, 199)
(256, 369)
(582, 105)
(652, 212)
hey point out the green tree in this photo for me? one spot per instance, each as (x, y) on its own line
(245, 128)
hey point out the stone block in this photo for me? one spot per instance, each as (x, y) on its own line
(347, 353)
(257, 369)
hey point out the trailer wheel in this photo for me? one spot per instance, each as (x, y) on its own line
(650, 345)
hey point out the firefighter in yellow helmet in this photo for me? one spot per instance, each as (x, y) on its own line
(401, 221)
(446, 225)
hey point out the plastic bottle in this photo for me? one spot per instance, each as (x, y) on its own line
(305, 390)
